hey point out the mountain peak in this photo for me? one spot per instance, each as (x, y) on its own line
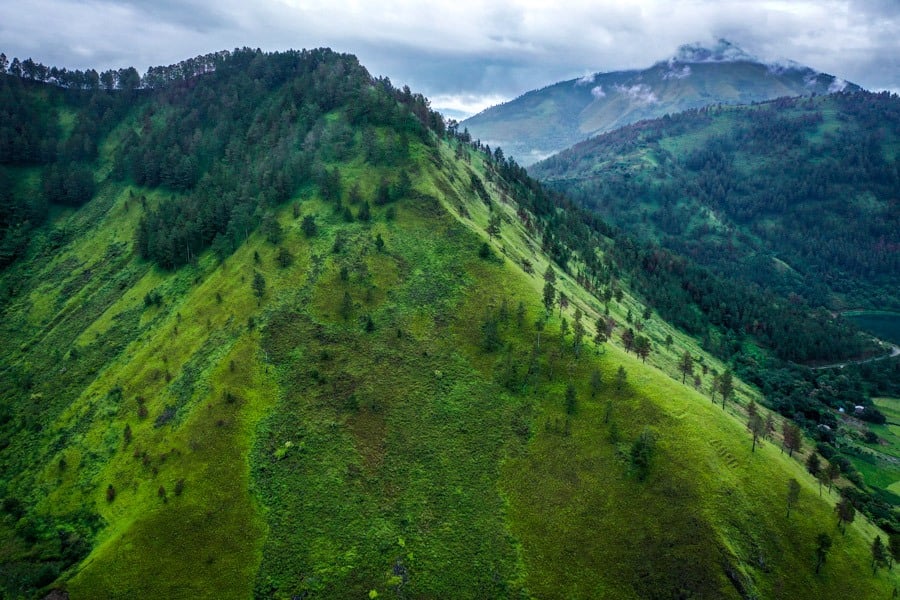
(721, 51)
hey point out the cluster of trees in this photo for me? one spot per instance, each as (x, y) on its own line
(236, 131)
(30, 135)
(820, 202)
(112, 79)
(246, 136)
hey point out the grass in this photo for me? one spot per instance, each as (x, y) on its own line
(323, 457)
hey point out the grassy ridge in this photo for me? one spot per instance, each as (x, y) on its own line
(283, 445)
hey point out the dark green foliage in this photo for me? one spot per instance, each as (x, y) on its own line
(813, 464)
(365, 213)
(549, 296)
(284, 258)
(793, 493)
(642, 346)
(259, 285)
(490, 333)
(596, 382)
(237, 157)
(346, 308)
(823, 546)
(686, 365)
(846, 513)
(153, 298)
(621, 378)
(628, 339)
(642, 451)
(493, 227)
(726, 386)
(808, 181)
(165, 416)
(571, 400)
(879, 554)
(68, 185)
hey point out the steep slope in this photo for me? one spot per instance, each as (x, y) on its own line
(343, 395)
(796, 195)
(545, 121)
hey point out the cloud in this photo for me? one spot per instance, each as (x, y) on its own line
(502, 48)
(597, 92)
(675, 73)
(640, 92)
(587, 79)
(811, 79)
(463, 105)
(838, 85)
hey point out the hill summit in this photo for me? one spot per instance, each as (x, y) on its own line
(542, 122)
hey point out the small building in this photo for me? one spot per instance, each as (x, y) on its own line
(859, 409)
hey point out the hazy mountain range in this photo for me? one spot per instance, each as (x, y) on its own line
(542, 122)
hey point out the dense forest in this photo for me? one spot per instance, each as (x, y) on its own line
(795, 195)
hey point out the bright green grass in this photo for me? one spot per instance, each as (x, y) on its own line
(880, 463)
(393, 460)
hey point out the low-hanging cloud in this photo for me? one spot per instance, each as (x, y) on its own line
(597, 92)
(838, 85)
(676, 72)
(640, 92)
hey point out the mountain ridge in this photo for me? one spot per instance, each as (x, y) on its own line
(279, 368)
(547, 120)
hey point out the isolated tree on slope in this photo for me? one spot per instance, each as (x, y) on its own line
(686, 365)
(823, 545)
(879, 554)
(792, 495)
(846, 513)
(726, 386)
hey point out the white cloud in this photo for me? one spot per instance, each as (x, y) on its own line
(675, 73)
(597, 92)
(504, 47)
(587, 79)
(464, 105)
(640, 92)
(838, 85)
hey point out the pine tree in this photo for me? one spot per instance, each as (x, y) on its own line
(259, 285)
(686, 365)
(823, 545)
(621, 377)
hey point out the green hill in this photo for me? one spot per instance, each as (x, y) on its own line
(288, 341)
(799, 196)
(545, 121)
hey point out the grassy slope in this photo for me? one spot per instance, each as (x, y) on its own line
(409, 466)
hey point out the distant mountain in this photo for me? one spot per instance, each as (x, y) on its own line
(542, 122)
(797, 195)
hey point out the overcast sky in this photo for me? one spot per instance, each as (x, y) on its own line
(464, 55)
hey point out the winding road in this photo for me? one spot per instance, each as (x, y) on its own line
(895, 351)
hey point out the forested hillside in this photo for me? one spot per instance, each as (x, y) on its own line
(798, 196)
(272, 331)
